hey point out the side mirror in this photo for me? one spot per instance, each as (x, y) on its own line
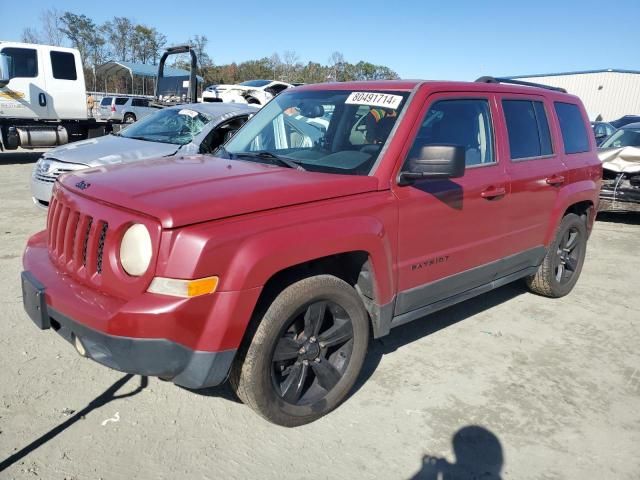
(4, 70)
(435, 161)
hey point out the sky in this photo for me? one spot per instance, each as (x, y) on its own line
(451, 39)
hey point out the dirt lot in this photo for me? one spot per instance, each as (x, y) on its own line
(509, 383)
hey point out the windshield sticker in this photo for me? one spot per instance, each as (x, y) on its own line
(186, 111)
(373, 99)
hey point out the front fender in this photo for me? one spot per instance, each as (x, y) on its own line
(261, 256)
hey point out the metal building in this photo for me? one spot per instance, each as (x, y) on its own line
(610, 93)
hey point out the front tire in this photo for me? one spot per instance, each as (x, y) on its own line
(561, 267)
(306, 353)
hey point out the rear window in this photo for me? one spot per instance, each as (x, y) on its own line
(574, 132)
(121, 100)
(63, 65)
(528, 129)
(106, 101)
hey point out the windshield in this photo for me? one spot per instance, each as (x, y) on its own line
(333, 131)
(625, 137)
(172, 125)
(255, 83)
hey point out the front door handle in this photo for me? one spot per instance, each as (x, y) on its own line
(493, 192)
(555, 180)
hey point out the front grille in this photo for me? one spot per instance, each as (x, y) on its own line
(103, 236)
(48, 170)
(75, 240)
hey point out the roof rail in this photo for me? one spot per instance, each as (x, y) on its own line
(518, 82)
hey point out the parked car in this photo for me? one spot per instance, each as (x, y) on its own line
(273, 261)
(124, 109)
(183, 129)
(620, 156)
(602, 130)
(627, 119)
(256, 92)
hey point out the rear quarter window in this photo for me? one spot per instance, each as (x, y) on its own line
(121, 100)
(572, 126)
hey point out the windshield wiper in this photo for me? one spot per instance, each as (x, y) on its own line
(283, 161)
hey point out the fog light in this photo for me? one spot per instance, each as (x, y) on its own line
(79, 346)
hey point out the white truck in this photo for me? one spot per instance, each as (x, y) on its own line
(43, 100)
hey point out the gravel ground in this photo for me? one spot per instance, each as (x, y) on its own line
(510, 383)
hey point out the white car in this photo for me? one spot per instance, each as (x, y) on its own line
(254, 92)
(124, 109)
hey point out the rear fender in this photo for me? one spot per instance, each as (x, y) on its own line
(582, 191)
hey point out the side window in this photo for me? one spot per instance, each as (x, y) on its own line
(528, 129)
(543, 129)
(574, 133)
(136, 102)
(23, 62)
(63, 65)
(464, 122)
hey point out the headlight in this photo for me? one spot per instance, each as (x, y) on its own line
(135, 250)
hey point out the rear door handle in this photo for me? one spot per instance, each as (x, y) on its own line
(42, 99)
(555, 180)
(493, 192)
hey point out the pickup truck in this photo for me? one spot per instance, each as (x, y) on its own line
(273, 262)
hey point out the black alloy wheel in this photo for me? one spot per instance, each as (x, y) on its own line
(568, 255)
(313, 353)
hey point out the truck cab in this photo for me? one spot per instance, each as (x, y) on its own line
(42, 95)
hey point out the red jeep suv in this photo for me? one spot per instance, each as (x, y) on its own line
(338, 212)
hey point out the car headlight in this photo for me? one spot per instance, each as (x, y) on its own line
(135, 250)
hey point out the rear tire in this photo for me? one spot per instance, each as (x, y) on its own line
(306, 353)
(129, 118)
(561, 267)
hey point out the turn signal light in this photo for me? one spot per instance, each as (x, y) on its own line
(183, 288)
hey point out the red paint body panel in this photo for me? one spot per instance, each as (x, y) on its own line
(245, 221)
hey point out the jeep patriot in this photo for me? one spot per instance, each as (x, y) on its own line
(338, 212)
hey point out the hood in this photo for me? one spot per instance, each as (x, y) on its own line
(182, 190)
(110, 149)
(625, 159)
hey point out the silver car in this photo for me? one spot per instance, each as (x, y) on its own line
(183, 129)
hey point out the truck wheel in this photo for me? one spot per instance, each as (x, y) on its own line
(562, 265)
(306, 353)
(129, 118)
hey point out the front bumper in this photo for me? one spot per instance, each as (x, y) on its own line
(41, 192)
(190, 341)
(142, 356)
(619, 199)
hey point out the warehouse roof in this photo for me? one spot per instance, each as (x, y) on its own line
(581, 72)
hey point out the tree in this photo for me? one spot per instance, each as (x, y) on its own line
(199, 44)
(52, 25)
(84, 35)
(336, 62)
(30, 35)
(289, 61)
(119, 32)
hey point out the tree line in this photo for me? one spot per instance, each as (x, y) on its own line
(124, 39)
